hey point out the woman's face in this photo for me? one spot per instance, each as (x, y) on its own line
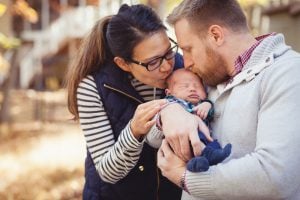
(149, 49)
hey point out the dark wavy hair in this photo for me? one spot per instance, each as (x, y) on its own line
(114, 35)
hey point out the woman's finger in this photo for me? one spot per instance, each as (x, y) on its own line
(148, 112)
(150, 123)
(159, 102)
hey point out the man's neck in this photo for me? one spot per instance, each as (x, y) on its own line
(235, 46)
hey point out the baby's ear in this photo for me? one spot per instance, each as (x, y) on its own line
(167, 91)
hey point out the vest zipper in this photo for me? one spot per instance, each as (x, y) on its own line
(132, 97)
(119, 91)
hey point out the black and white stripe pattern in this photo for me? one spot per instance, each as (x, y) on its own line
(148, 93)
(113, 159)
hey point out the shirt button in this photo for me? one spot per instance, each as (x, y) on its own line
(268, 59)
(141, 168)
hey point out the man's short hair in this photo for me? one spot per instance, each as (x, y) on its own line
(201, 14)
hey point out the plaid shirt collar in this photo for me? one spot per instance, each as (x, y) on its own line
(243, 58)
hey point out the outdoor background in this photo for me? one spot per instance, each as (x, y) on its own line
(42, 150)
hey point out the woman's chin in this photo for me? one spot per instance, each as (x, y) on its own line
(162, 85)
(159, 84)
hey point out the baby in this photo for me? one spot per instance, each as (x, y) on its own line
(186, 88)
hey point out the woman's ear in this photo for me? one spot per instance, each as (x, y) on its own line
(122, 64)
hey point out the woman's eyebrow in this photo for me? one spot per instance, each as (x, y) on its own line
(157, 56)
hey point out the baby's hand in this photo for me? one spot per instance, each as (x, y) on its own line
(202, 109)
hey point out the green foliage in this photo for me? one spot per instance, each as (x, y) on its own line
(9, 42)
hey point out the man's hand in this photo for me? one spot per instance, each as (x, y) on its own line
(181, 130)
(170, 165)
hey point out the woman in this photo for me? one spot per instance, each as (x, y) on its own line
(122, 65)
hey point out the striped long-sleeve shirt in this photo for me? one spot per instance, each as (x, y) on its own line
(113, 159)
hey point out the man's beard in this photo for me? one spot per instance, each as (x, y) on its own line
(214, 70)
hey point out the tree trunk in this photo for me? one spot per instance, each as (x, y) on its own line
(6, 19)
(7, 87)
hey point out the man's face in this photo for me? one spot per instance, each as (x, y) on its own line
(199, 56)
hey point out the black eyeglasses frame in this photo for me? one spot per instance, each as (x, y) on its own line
(161, 57)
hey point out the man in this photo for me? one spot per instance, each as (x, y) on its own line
(255, 86)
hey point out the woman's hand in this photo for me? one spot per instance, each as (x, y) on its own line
(143, 118)
(170, 165)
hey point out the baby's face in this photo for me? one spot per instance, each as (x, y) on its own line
(186, 85)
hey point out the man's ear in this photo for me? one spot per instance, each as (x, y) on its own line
(122, 64)
(216, 35)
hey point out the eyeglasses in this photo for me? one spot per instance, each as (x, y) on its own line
(156, 62)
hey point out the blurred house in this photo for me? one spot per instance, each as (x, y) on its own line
(5, 21)
(281, 16)
(284, 17)
(50, 44)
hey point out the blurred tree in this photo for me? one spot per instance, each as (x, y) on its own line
(249, 3)
(2, 9)
(157, 5)
(252, 10)
(172, 3)
(9, 47)
(8, 42)
(21, 7)
(164, 7)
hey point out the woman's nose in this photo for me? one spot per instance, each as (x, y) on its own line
(166, 65)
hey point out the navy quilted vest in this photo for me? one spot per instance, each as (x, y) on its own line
(120, 101)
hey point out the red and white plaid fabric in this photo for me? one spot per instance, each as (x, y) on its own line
(242, 59)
